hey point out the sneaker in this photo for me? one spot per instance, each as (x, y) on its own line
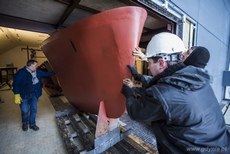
(34, 127)
(25, 127)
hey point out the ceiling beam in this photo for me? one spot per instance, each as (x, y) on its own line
(67, 12)
(24, 24)
(85, 8)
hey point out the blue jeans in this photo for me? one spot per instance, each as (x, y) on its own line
(29, 109)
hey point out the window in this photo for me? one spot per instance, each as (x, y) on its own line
(189, 31)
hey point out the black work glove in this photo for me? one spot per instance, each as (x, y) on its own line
(136, 75)
(133, 70)
(126, 91)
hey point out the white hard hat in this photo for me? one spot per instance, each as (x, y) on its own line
(165, 44)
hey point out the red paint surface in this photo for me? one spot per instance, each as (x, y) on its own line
(90, 58)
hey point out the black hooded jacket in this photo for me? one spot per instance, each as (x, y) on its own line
(184, 113)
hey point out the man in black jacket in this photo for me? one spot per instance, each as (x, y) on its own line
(179, 102)
(197, 56)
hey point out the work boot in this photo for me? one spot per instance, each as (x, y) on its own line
(34, 127)
(25, 127)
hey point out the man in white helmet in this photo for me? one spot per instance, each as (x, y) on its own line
(164, 46)
(183, 118)
(197, 56)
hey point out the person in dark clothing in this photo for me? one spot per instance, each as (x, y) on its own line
(197, 56)
(27, 88)
(180, 105)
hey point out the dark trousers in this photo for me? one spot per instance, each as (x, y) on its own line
(29, 109)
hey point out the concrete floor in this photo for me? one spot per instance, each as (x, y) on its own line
(47, 140)
(15, 141)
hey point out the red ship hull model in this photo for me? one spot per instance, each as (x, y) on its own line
(90, 58)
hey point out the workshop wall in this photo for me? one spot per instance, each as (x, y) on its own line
(213, 32)
(18, 57)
